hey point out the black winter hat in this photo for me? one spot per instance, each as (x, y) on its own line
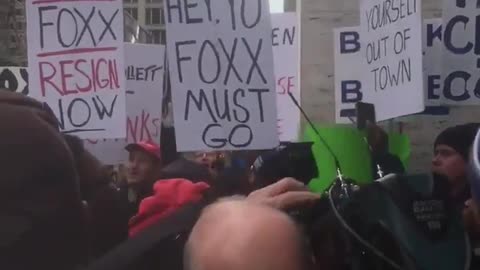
(459, 138)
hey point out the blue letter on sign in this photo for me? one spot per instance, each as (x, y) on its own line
(447, 88)
(432, 34)
(349, 42)
(353, 88)
(448, 35)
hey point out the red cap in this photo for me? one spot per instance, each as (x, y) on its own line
(169, 196)
(150, 148)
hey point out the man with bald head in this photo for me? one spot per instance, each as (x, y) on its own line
(250, 233)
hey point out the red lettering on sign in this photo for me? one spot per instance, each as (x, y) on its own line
(98, 74)
(285, 85)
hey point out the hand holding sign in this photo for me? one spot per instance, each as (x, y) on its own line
(222, 76)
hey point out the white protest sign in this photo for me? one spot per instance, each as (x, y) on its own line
(461, 39)
(349, 68)
(14, 79)
(391, 47)
(432, 61)
(285, 34)
(75, 55)
(222, 75)
(349, 74)
(144, 73)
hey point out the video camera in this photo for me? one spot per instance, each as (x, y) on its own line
(294, 160)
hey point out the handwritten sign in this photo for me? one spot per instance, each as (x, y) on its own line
(145, 74)
(461, 52)
(75, 55)
(392, 50)
(349, 76)
(285, 37)
(223, 84)
(14, 79)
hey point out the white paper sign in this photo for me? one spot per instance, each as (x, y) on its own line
(223, 82)
(349, 79)
(75, 55)
(349, 74)
(145, 73)
(392, 50)
(461, 64)
(432, 62)
(14, 79)
(286, 34)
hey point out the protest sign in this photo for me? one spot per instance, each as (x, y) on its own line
(349, 69)
(349, 73)
(391, 47)
(285, 37)
(14, 79)
(432, 62)
(145, 75)
(461, 50)
(222, 75)
(75, 55)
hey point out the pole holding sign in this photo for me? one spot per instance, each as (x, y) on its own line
(75, 55)
(392, 50)
(222, 75)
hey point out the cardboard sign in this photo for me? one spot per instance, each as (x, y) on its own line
(75, 55)
(285, 36)
(222, 75)
(145, 74)
(432, 62)
(391, 48)
(460, 52)
(14, 79)
(349, 69)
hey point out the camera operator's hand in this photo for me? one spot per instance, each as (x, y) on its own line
(284, 194)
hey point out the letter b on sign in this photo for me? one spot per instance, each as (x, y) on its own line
(351, 91)
(349, 42)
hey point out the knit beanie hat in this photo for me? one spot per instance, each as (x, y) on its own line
(459, 138)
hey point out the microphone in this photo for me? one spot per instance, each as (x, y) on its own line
(474, 169)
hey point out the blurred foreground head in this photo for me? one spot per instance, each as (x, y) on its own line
(41, 224)
(242, 235)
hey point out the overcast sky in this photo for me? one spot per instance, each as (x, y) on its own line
(276, 5)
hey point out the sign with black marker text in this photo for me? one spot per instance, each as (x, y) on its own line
(392, 50)
(222, 75)
(461, 52)
(75, 55)
(350, 81)
(285, 37)
(145, 74)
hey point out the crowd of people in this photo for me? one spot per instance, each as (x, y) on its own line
(61, 209)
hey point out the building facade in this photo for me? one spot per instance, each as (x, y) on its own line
(149, 15)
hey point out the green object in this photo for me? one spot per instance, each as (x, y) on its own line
(349, 146)
(399, 145)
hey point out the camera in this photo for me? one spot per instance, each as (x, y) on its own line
(294, 160)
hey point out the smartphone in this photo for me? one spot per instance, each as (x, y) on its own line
(365, 114)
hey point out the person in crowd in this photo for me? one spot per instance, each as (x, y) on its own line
(42, 222)
(251, 232)
(383, 162)
(451, 153)
(143, 169)
(214, 161)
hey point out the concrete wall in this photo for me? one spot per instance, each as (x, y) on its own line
(319, 17)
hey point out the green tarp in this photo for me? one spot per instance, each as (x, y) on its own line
(349, 146)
